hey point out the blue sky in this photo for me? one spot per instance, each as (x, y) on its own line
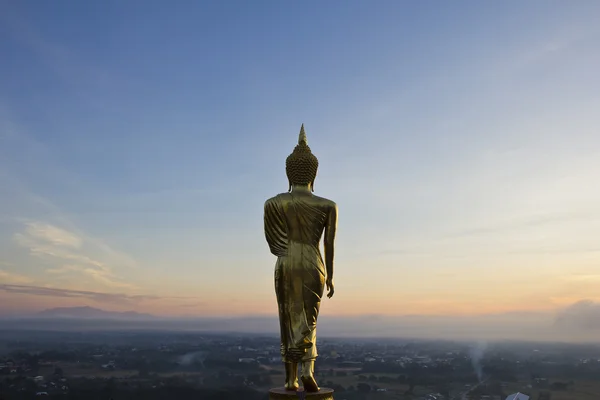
(139, 140)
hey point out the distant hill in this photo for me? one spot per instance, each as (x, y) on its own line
(504, 326)
(90, 313)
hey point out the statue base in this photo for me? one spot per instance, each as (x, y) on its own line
(282, 394)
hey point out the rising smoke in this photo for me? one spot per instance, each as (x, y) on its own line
(476, 352)
(196, 357)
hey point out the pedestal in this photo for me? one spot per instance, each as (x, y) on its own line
(282, 394)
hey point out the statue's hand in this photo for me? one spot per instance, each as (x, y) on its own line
(329, 284)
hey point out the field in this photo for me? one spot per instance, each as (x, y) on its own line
(394, 390)
(581, 390)
(85, 370)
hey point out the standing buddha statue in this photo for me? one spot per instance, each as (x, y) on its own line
(294, 223)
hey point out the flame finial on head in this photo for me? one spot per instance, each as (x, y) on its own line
(302, 137)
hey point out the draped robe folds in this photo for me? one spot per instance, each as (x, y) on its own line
(299, 271)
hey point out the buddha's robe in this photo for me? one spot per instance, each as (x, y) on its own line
(293, 229)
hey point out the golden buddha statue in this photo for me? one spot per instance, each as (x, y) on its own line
(294, 224)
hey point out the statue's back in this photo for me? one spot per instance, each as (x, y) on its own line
(306, 216)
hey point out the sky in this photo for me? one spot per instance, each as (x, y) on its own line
(140, 139)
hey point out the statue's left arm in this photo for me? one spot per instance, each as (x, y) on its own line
(329, 244)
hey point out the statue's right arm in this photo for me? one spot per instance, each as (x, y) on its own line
(329, 240)
(274, 233)
(266, 222)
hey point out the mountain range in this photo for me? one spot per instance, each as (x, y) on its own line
(90, 313)
(577, 323)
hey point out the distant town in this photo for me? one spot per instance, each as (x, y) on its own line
(176, 365)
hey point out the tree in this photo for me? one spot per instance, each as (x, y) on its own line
(559, 386)
(337, 388)
(109, 388)
(267, 380)
(143, 371)
(363, 387)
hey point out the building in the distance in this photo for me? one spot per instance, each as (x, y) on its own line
(518, 396)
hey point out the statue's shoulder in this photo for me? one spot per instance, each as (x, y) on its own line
(275, 199)
(330, 204)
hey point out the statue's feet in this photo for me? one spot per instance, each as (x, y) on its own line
(292, 386)
(309, 383)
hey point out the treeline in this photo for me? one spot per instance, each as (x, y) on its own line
(164, 393)
(417, 374)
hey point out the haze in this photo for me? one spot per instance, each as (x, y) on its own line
(139, 141)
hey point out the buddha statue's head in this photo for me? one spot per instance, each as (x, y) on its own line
(301, 166)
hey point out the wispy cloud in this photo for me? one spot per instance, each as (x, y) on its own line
(457, 243)
(50, 234)
(69, 228)
(13, 278)
(64, 269)
(117, 298)
(68, 249)
(528, 222)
